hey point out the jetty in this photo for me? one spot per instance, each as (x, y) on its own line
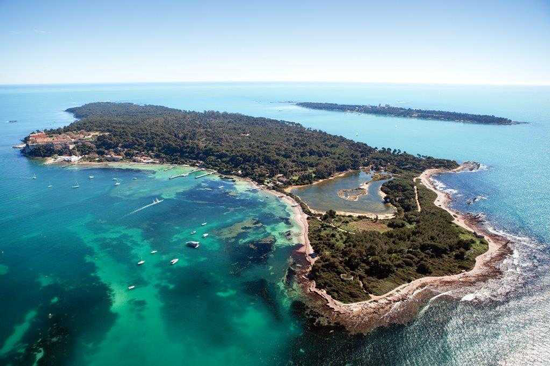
(204, 175)
(182, 175)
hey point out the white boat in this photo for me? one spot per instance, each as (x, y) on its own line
(117, 183)
(50, 186)
(131, 287)
(154, 251)
(34, 176)
(135, 178)
(115, 178)
(193, 232)
(141, 262)
(76, 186)
(174, 261)
(156, 201)
(193, 244)
(203, 224)
(204, 235)
(91, 177)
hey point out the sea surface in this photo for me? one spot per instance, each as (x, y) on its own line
(67, 256)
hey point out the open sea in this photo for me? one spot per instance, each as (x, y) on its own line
(67, 256)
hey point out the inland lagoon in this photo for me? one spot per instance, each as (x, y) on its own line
(337, 194)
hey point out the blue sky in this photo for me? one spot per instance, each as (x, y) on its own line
(471, 42)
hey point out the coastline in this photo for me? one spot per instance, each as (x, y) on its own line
(402, 303)
(397, 306)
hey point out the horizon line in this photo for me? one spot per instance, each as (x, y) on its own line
(269, 81)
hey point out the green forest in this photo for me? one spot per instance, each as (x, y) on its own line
(260, 148)
(388, 110)
(355, 262)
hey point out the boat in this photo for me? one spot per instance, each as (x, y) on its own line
(204, 235)
(193, 244)
(154, 251)
(203, 224)
(34, 176)
(50, 186)
(131, 287)
(156, 201)
(115, 178)
(193, 232)
(117, 183)
(91, 177)
(174, 261)
(12, 121)
(140, 262)
(135, 178)
(76, 186)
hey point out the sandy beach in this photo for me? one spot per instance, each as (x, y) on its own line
(403, 303)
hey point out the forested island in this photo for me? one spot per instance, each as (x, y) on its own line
(391, 111)
(356, 257)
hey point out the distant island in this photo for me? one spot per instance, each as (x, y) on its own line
(350, 258)
(391, 111)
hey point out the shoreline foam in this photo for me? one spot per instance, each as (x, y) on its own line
(402, 303)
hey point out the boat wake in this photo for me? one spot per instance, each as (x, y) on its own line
(156, 201)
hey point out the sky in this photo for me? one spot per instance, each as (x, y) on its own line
(448, 42)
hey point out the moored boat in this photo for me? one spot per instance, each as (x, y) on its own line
(193, 244)
(174, 261)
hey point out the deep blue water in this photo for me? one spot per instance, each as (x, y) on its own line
(67, 250)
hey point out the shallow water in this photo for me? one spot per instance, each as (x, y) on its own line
(72, 253)
(323, 196)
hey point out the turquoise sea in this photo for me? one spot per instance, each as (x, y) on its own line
(68, 255)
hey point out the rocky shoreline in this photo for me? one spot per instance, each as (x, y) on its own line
(401, 305)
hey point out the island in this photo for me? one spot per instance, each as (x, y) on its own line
(345, 260)
(387, 110)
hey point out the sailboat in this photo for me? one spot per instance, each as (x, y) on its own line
(34, 176)
(117, 183)
(76, 185)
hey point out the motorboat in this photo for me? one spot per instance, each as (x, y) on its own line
(193, 244)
